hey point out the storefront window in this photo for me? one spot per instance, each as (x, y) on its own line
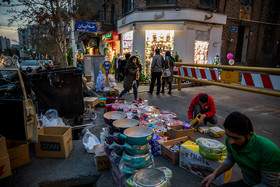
(201, 52)
(162, 39)
(127, 42)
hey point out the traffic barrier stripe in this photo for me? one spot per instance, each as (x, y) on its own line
(261, 81)
(199, 73)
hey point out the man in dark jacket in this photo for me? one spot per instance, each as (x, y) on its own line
(204, 106)
(116, 67)
(122, 66)
(156, 71)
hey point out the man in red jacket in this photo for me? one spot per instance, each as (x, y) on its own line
(204, 106)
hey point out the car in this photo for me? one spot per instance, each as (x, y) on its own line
(30, 65)
(47, 64)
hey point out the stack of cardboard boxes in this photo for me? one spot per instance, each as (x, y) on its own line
(13, 154)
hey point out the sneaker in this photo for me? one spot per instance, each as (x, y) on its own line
(162, 92)
(150, 92)
(169, 92)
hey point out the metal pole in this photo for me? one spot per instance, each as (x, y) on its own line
(244, 88)
(237, 68)
(73, 38)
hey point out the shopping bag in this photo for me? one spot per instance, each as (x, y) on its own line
(166, 73)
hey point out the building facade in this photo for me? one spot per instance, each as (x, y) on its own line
(252, 32)
(200, 29)
(5, 43)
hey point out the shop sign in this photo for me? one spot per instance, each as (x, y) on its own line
(86, 26)
(107, 36)
(230, 77)
(113, 35)
(233, 29)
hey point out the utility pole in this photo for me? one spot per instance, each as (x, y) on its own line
(73, 37)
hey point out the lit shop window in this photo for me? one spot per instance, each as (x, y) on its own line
(201, 52)
(127, 42)
(162, 39)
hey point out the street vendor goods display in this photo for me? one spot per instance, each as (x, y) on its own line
(216, 131)
(192, 161)
(110, 117)
(123, 124)
(138, 135)
(157, 177)
(211, 149)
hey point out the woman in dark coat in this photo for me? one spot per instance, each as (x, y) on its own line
(130, 77)
(168, 63)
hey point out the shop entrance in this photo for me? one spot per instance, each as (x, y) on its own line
(157, 39)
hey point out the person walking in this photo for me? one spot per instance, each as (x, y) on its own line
(169, 63)
(130, 77)
(156, 71)
(123, 65)
(116, 67)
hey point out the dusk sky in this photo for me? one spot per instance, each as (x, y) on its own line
(5, 31)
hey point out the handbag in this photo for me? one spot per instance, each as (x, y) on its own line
(166, 72)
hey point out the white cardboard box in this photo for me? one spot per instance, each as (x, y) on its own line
(192, 161)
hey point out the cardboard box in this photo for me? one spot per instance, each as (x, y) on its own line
(111, 93)
(18, 153)
(173, 157)
(102, 162)
(3, 146)
(175, 131)
(92, 101)
(5, 169)
(192, 161)
(54, 142)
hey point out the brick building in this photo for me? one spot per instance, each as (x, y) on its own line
(249, 29)
(252, 32)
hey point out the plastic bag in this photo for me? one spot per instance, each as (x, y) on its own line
(211, 146)
(90, 140)
(51, 119)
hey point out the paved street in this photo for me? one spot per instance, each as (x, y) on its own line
(79, 167)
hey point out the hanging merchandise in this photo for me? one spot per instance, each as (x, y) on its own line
(158, 39)
(127, 42)
(201, 52)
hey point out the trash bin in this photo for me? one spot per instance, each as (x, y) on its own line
(59, 89)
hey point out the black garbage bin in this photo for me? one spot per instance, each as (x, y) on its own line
(59, 89)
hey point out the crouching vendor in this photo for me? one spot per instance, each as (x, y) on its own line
(203, 107)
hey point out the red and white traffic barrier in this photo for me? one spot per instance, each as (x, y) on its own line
(261, 81)
(199, 73)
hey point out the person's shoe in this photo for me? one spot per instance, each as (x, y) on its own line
(157, 93)
(150, 92)
(162, 92)
(169, 92)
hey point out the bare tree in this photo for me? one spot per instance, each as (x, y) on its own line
(53, 16)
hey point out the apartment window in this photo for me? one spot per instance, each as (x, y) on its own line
(128, 6)
(161, 2)
(112, 14)
(208, 4)
(245, 9)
